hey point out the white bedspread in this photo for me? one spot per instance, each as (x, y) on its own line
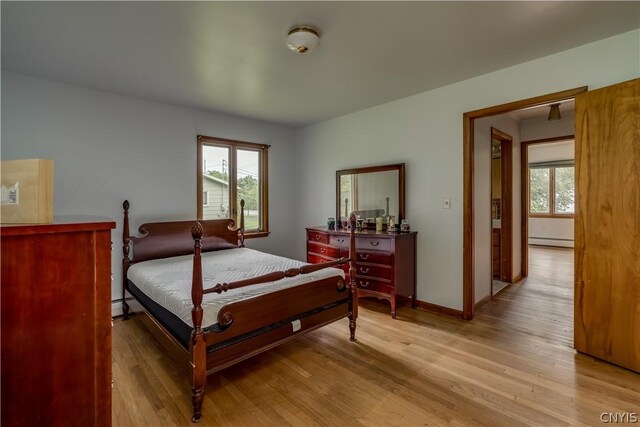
(168, 281)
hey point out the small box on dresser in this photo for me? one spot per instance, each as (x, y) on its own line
(56, 323)
(385, 262)
(27, 191)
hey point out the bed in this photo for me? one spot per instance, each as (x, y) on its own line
(212, 302)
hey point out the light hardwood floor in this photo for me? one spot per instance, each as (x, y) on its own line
(540, 305)
(512, 365)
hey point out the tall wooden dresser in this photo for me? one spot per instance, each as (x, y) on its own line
(385, 262)
(56, 323)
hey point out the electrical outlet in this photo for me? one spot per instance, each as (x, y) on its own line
(446, 203)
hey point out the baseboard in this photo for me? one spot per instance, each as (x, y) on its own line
(116, 306)
(433, 308)
(546, 241)
(518, 278)
(482, 302)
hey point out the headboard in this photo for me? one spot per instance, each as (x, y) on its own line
(167, 239)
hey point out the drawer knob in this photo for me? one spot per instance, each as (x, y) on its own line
(364, 270)
(376, 243)
(321, 250)
(364, 284)
(341, 240)
(364, 256)
(317, 237)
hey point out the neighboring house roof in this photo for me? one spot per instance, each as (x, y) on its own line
(213, 178)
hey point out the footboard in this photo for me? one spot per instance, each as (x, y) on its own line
(249, 314)
(263, 322)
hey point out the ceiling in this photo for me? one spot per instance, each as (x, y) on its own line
(231, 56)
(566, 109)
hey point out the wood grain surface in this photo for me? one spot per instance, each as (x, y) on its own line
(56, 323)
(607, 224)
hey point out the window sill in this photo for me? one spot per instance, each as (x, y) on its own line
(537, 215)
(256, 234)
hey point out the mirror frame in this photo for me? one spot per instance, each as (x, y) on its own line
(369, 169)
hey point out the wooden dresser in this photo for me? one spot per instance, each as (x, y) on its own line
(56, 323)
(385, 262)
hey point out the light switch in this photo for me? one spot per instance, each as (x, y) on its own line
(446, 203)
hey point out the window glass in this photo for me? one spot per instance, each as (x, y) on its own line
(564, 194)
(249, 187)
(215, 182)
(539, 190)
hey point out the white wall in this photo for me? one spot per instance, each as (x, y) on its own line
(425, 132)
(482, 200)
(108, 148)
(551, 231)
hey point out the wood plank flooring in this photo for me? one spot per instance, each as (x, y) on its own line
(540, 305)
(512, 365)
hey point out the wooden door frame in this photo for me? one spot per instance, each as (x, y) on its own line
(524, 191)
(468, 229)
(506, 205)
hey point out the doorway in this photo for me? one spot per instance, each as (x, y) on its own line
(548, 169)
(501, 210)
(469, 118)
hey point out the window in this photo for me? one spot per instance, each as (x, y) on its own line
(552, 189)
(230, 171)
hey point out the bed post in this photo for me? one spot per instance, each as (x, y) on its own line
(242, 223)
(353, 303)
(125, 258)
(197, 346)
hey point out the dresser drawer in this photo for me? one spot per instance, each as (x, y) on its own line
(324, 250)
(373, 271)
(373, 257)
(316, 236)
(340, 241)
(374, 285)
(373, 244)
(317, 259)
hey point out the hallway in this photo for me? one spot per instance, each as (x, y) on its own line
(540, 305)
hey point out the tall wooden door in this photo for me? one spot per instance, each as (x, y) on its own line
(607, 224)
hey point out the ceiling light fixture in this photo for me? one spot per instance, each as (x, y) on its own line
(302, 39)
(554, 112)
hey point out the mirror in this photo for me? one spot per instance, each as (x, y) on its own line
(371, 192)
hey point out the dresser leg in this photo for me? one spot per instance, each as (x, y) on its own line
(393, 305)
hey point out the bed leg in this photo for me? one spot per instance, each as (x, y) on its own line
(199, 372)
(125, 309)
(352, 328)
(197, 397)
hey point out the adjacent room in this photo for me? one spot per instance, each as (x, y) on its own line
(320, 213)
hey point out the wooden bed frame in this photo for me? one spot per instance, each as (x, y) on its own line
(322, 301)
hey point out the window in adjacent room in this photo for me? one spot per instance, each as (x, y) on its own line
(552, 189)
(230, 171)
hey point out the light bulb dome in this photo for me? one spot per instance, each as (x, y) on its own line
(302, 39)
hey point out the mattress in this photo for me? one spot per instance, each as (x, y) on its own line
(167, 282)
